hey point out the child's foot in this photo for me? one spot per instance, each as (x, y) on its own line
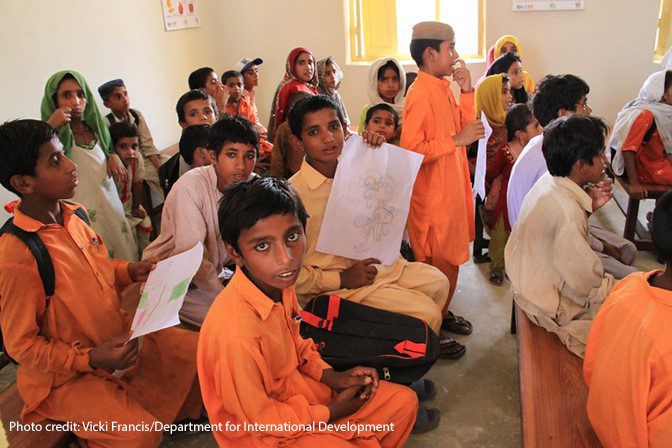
(456, 324)
(428, 419)
(497, 278)
(450, 349)
(424, 389)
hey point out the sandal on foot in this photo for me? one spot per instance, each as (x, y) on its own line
(425, 389)
(450, 349)
(428, 419)
(497, 279)
(457, 324)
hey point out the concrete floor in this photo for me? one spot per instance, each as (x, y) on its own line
(477, 394)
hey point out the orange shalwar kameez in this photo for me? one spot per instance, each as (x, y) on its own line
(628, 365)
(255, 368)
(246, 110)
(51, 339)
(441, 218)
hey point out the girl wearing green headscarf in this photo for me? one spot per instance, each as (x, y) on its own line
(68, 106)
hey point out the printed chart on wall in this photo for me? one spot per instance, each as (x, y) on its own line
(180, 14)
(546, 5)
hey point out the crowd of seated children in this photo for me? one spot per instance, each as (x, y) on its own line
(387, 84)
(69, 107)
(521, 127)
(193, 108)
(190, 211)
(627, 365)
(556, 277)
(441, 217)
(69, 344)
(115, 97)
(642, 136)
(300, 81)
(126, 144)
(512, 66)
(206, 79)
(330, 76)
(254, 366)
(559, 96)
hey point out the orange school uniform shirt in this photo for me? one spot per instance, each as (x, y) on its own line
(652, 164)
(246, 110)
(628, 366)
(441, 217)
(51, 338)
(255, 368)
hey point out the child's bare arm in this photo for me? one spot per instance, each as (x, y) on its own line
(137, 193)
(637, 190)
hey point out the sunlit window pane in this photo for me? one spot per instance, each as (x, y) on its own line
(462, 15)
(410, 12)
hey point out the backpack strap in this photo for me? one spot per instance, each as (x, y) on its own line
(649, 133)
(136, 117)
(411, 349)
(315, 321)
(44, 264)
(111, 118)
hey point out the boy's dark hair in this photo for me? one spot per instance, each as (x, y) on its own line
(122, 129)
(247, 202)
(502, 64)
(233, 129)
(388, 64)
(309, 105)
(418, 47)
(517, 119)
(20, 142)
(557, 92)
(198, 77)
(668, 80)
(193, 137)
(230, 74)
(570, 139)
(661, 223)
(191, 95)
(382, 106)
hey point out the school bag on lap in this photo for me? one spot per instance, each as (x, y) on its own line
(44, 264)
(348, 334)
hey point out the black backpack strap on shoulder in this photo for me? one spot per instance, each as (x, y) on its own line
(649, 133)
(81, 214)
(44, 264)
(110, 117)
(136, 117)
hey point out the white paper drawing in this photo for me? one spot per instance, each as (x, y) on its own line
(163, 294)
(369, 201)
(481, 160)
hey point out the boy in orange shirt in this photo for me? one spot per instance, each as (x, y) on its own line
(628, 366)
(262, 383)
(441, 218)
(68, 343)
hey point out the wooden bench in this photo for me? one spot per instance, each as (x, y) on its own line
(634, 230)
(552, 391)
(10, 409)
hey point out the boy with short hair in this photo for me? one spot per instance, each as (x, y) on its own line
(415, 289)
(239, 105)
(205, 79)
(115, 97)
(556, 277)
(190, 211)
(68, 345)
(194, 107)
(249, 68)
(193, 145)
(383, 119)
(126, 142)
(627, 365)
(559, 96)
(441, 218)
(254, 366)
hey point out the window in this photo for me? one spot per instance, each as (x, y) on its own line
(664, 34)
(380, 28)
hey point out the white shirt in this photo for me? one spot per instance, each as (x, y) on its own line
(527, 170)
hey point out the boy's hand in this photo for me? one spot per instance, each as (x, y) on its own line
(373, 139)
(612, 251)
(357, 376)
(462, 76)
(359, 274)
(138, 213)
(140, 271)
(114, 354)
(116, 168)
(470, 133)
(348, 402)
(601, 193)
(60, 117)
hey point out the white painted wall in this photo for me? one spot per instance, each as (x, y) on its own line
(610, 45)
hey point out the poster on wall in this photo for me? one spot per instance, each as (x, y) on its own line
(549, 5)
(180, 14)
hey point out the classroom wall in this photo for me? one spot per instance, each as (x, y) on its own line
(610, 45)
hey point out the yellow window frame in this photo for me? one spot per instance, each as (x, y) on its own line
(373, 30)
(664, 33)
